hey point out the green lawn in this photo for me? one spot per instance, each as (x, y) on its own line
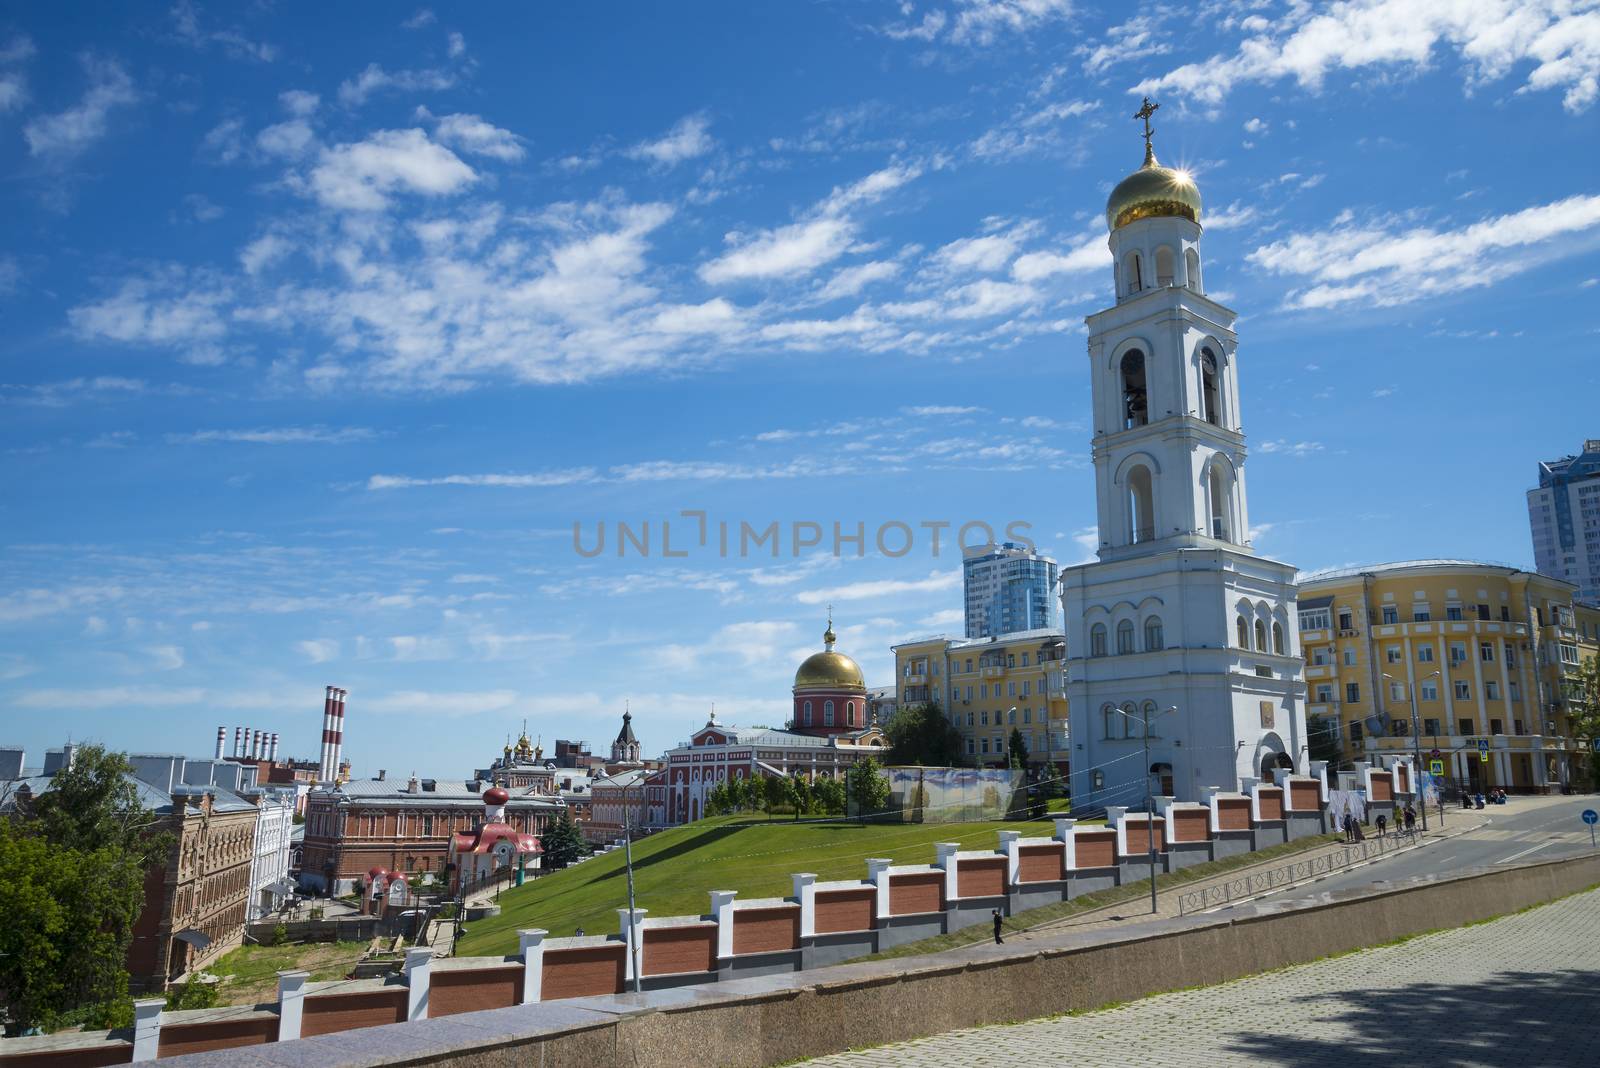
(250, 973)
(673, 871)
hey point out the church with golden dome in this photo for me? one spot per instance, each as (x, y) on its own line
(830, 694)
(830, 730)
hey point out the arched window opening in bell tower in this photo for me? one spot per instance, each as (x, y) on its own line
(1191, 260)
(1141, 505)
(1135, 398)
(1166, 266)
(1210, 402)
(1218, 492)
(1134, 273)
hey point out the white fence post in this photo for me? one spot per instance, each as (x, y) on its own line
(147, 1028)
(291, 1004)
(722, 912)
(530, 945)
(878, 876)
(417, 972)
(805, 889)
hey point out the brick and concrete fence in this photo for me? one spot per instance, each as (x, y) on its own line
(819, 923)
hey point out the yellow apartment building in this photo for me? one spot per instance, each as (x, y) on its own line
(1486, 652)
(987, 686)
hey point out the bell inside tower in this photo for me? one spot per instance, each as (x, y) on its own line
(1135, 398)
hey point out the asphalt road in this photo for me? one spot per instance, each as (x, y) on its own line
(1523, 830)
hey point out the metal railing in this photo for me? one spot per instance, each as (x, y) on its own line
(1291, 874)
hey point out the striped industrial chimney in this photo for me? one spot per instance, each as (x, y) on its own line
(338, 730)
(327, 768)
(222, 742)
(238, 741)
(272, 747)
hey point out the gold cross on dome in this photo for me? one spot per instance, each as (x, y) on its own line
(1144, 112)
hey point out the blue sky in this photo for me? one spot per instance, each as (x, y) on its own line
(321, 330)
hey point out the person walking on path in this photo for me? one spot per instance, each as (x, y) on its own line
(1411, 820)
(997, 920)
(1349, 826)
(1382, 821)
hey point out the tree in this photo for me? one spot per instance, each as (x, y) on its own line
(72, 885)
(805, 798)
(779, 791)
(830, 795)
(1583, 709)
(717, 800)
(1017, 747)
(922, 735)
(562, 843)
(868, 786)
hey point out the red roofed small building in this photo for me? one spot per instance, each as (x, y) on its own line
(494, 846)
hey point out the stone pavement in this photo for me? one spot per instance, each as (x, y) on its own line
(1520, 991)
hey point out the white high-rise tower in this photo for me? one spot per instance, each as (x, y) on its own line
(1179, 612)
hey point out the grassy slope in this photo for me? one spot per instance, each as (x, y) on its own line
(250, 973)
(673, 871)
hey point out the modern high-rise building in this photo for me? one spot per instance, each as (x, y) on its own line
(1564, 515)
(1180, 637)
(1009, 588)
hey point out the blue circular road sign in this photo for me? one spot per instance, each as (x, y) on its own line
(1590, 816)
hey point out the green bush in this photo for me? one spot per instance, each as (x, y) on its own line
(447, 911)
(193, 994)
(280, 936)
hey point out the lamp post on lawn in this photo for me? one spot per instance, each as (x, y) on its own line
(1416, 738)
(1149, 807)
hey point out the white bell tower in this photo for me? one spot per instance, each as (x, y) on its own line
(1179, 613)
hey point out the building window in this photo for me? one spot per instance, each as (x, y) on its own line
(1211, 408)
(1277, 639)
(1324, 692)
(849, 713)
(1352, 693)
(1430, 690)
(1391, 614)
(1483, 612)
(969, 719)
(1261, 635)
(1463, 690)
(1130, 725)
(969, 747)
(1241, 632)
(1011, 660)
(1152, 634)
(985, 745)
(827, 713)
(1355, 732)
(1452, 611)
(1491, 690)
(806, 712)
(1430, 726)
(1514, 689)
(1458, 652)
(1392, 654)
(1124, 637)
(1027, 687)
(1397, 692)
(1511, 656)
(1316, 619)
(1486, 652)
(1109, 715)
(1464, 726)
(983, 718)
(1097, 640)
(1350, 657)
(1345, 620)
(1425, 654)
(1496, 727)
(1135, 402)
(1421, 614)
(1011, 715)
(1027, 714)
(1024, 659)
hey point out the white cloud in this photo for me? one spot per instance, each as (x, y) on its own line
(688, 138)
(354, 92)
(360, 176)
(785, 252)
(514, 481)
(800, 248)
(1387, 262)
(457, 45)
(1491, 37)
(166, 657)
(290, 140)
(318, 650)
(1297, 449)
(1089, 254)
(13, 91)
(1255, 126)
(69, 132)
(264, 251)
(848, 281)
(299, 103)
(936, 582)
(1235, 214)
(942, 409)
(945, 617)
(986, 253)
(186, 26)
(423, 17)
(472, 134)
(131, 316)
(224, 142)
(283, 435)
(982, 22)
(1125, 43)
(18, 49)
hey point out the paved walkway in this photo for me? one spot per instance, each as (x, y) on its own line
(1519, 991)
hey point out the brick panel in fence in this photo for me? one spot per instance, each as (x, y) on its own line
(327, 1013)
(1039, 863)
(766, 930)
(1096, 849)
(916, 893)
(674, 950)
(1233, 813)
(450, 992)
(1271, 803)
(845, 910)
(984, 877)
(583, 971)
(1190, 825)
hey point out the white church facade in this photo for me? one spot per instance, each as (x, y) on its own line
(1179, 624)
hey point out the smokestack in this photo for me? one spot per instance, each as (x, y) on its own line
(222, 742)
(338, 730)
(325, 770)
(255, 745)
(238, 741)
(272, 747)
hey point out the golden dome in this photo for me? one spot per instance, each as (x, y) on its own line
(830, 670)
(1153, 191)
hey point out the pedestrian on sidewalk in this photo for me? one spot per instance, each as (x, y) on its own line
(997, 921)
(1382, 821)
(1411, 820)
(1349, 826)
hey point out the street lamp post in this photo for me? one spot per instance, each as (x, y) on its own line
(1416, 740)
(1149, 800)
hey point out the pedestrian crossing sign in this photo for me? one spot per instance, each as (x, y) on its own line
(1436, 767)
